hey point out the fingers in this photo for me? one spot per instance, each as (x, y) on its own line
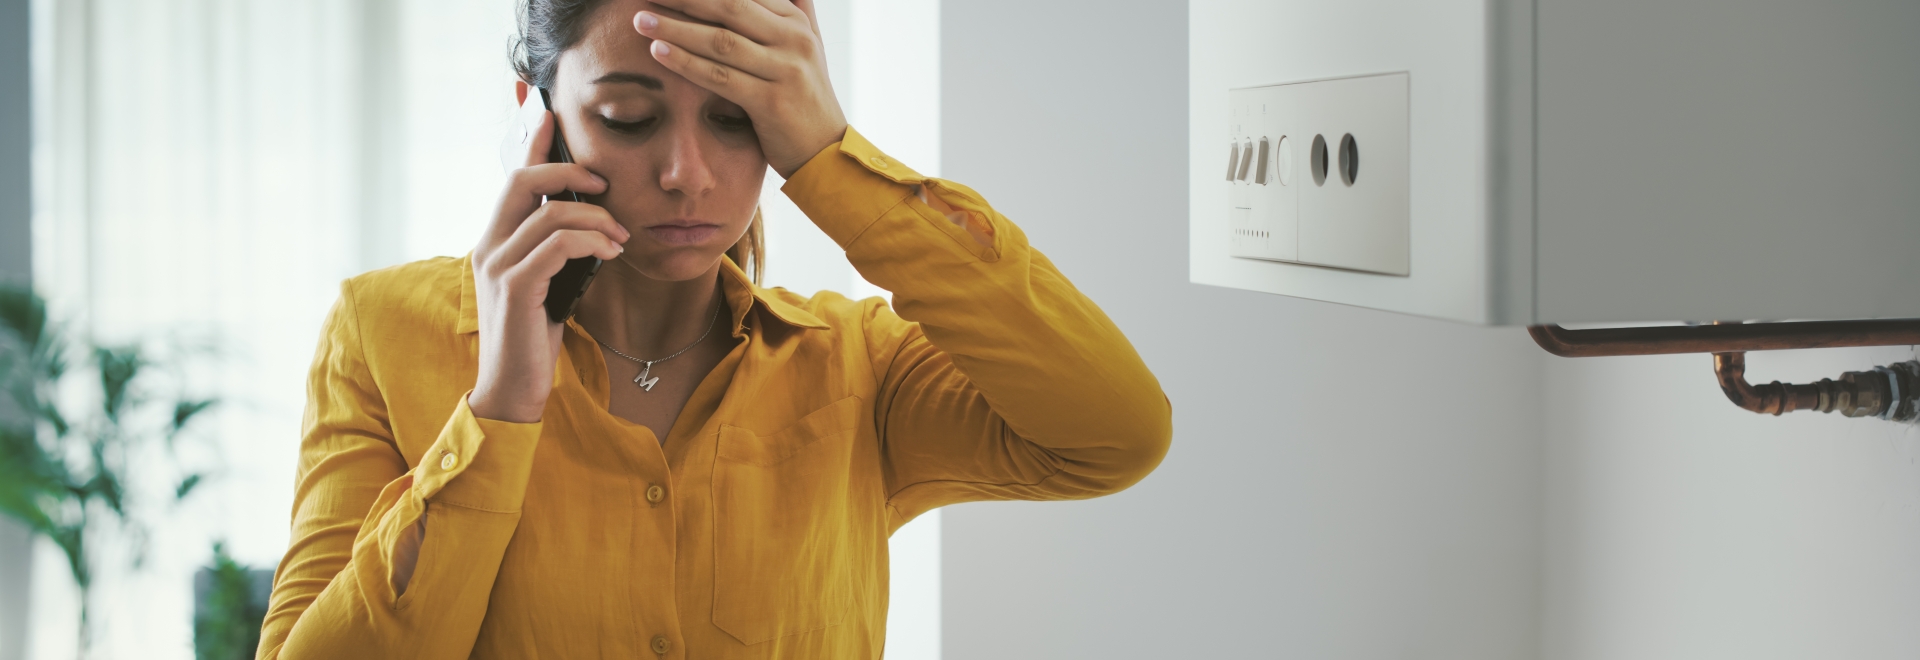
(718, 44)
(764, 21)
(555, 218)
(806, 7)
(548, 179)
(730, 83)
(782, 8)
(532, 273)
(527, 185)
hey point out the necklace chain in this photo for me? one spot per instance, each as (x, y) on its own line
(646, 366)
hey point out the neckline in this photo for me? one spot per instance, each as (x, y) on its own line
(702, 392)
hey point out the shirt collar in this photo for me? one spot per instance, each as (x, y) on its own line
(742, 296)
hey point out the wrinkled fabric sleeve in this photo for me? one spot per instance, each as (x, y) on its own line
(354, 498)
(997, 379)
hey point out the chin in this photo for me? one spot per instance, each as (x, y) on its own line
(681, 264)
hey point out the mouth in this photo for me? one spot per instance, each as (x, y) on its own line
(682, 232)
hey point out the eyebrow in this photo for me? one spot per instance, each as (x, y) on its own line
(640, 79)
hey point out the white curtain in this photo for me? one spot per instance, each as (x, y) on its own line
(214, 168)
(211, 169)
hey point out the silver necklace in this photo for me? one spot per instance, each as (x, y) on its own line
(646, 366)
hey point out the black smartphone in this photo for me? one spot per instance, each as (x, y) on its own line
(570, 284)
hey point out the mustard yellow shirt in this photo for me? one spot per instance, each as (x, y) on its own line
(758, 528)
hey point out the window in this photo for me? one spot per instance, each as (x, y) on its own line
(215, 169)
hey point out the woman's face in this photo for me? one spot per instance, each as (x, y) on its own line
(683, 165)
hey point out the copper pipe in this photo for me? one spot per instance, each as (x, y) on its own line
(1668, 340)
(1890, 392)
(1773, 398)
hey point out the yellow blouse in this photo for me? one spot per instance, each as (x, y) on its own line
(759, 528)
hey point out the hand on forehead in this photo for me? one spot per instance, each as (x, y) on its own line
(619, 13)
(608, 43)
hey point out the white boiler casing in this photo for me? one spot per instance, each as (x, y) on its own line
(1562, 160)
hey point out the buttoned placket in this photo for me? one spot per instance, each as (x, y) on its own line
(651, 490)
(668, 466)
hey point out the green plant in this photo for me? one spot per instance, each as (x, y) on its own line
(226, 625)
(67, 476)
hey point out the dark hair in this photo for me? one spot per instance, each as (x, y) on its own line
(547, 27)
(550, 27)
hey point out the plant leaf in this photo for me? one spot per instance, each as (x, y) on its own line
(105, 484)
(226, 625)
(23, 313)
(53, 418)
(185, 410)
(118, 367)
(186, 486)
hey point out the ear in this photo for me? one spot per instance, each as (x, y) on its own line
(520, 88)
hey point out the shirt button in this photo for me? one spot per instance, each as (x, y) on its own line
(448, 460)
(661, 645)
(655, 494)
(878, 161)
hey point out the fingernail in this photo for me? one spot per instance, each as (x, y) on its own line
(660, 49)
(647, 21)
(598, 178)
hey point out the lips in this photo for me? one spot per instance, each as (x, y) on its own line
(682, 233)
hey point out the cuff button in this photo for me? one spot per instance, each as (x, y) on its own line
(448, 460)
(878, 161)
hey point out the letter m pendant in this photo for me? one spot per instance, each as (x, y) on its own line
(643, 381)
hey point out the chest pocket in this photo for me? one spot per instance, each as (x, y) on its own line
(784, 562)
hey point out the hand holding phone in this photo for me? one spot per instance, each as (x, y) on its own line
(563, 295)
(519, 266)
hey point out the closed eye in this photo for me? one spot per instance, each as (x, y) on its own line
(628, 127)
(730, 122)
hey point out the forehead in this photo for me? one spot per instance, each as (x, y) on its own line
(609, 43)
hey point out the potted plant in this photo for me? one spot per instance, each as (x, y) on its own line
(67, 476)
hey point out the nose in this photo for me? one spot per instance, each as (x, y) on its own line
(686, 170)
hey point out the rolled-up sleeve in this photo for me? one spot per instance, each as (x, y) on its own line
(997, 378)
(356, 496)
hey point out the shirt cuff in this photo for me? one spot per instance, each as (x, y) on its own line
(478, 463)
(849, 185)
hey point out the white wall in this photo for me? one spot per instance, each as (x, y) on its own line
(1343, 483)
(1679, 526)
(1347, 483)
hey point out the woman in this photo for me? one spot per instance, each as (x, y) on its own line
(693, 466)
